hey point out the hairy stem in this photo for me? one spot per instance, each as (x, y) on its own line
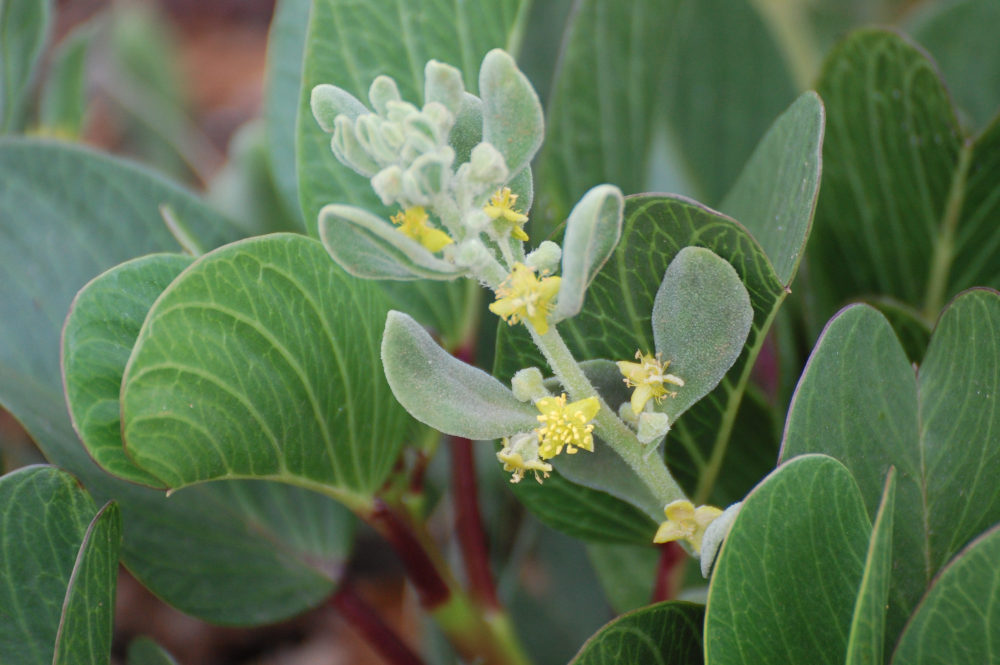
(369, 624)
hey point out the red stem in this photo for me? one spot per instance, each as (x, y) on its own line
(671, 556)
(420, 568)
(376, 633)
(469, 524)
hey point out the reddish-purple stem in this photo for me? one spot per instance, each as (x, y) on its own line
(671, 557)
(469, 524)
(420, 569)
(375, 632)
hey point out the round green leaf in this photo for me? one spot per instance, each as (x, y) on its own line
(101, 328)
(785, 583)
(701, 318)
(60, 563)
(261, 361)
(956, 621)
(666, 633)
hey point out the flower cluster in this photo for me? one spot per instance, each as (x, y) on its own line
(685, 522)
(524, 296)
(648, 377)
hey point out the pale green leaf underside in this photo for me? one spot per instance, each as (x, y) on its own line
(101, 328)
(261, 361)
(666, 633)
(785, 583)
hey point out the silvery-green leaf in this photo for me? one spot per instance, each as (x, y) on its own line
(592, 232)
(701, 319)
(443, 84)
(369, 247)
(328, 101)
(467, 131)
(444, 392)
(512, 115)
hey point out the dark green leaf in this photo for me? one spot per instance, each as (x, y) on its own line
(667, 633)
(775, 194)
(261, 361)
(64, 96)
(937, 429)
(975, 260)
(785, 583)
(99, 334)
(866, 643)
(913, 330)
(60, 562)
(349, 43)
(626, 573)
(286, 42)
(231, 552)
(24, 27)
(956, 621)
(144, 651)
(961, 36)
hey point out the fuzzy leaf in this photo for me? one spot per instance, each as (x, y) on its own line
(592, 233)
(441, 391)
(512, 115)
(701, 318)
(60, 562)
(799, 574)
(369, 247)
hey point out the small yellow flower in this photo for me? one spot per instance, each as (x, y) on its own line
(520, 454)
(412, 223)
(647, 377)
(685, 522)
(524, 296)
(565, 425)
(501, 206)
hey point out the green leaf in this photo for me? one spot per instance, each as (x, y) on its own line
(795, 556)
(87, 619)
(908, 200)
(866, 641)
(937, 429)
(592, 232)
(261, 361)
(286, 41)
(24, 29)
(441, 391)
(64, 96)
(775, 194)
(626, 573)
(144, 651)
(60, 557)
(701, 318)
(512, 115)
(233, 553)
(961, 37)
(98, 337)
(668, 633)
(616, 321)
(913, 330)
(367, 246)
(956, 621)
(349, 43)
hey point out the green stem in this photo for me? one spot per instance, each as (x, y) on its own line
(944, 248)
(652, 471)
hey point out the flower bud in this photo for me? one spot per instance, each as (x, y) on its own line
(528, 385)
(545, 257)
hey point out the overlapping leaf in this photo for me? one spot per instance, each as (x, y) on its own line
(245, 552)
(938, 429)
(909, 201)
(60, 563)
(261, 361)
(667, 633)
(785, 583)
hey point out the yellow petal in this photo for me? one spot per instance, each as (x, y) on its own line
(681, 509)
(667, 532)
(640, 396)
(435, 240)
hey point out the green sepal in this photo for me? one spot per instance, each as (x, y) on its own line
(592, 233)
(369, 247)
(444, 392)
(701, 319)
(513, 120)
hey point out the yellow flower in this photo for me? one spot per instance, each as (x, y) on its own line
(520, 454)
(565, 425)
(501, 206)
(686, 522)
(647, 377)
(524, 296)
(413, 224)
